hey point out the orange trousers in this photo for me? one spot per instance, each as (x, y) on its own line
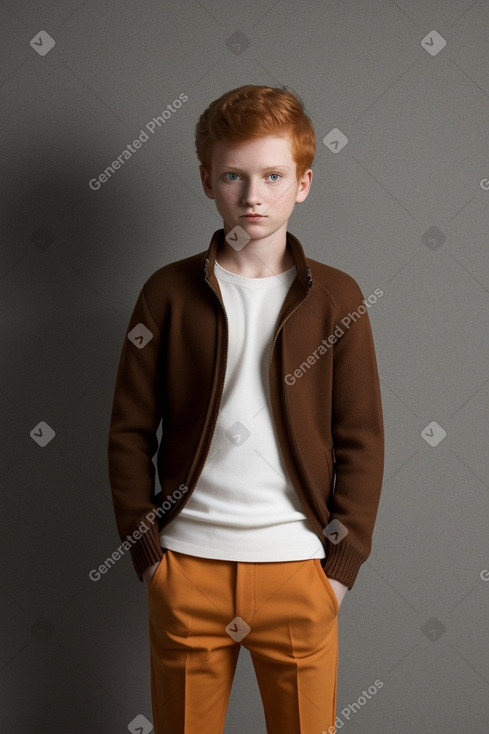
(202, 610)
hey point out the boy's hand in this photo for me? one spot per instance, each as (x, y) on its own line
(339, 589)
(149, 573)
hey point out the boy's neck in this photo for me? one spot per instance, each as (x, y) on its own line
(256, 259)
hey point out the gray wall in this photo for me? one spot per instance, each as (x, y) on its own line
(403, 207)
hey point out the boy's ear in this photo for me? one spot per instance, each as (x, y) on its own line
(206, 182)
(305, 182)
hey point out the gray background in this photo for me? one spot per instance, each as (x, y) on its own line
(74, 656)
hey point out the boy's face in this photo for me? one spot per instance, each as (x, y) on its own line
(256, 177)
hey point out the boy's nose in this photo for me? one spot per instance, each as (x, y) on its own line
(251, 196)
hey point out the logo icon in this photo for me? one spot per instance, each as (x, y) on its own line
(237, 629)
(433, 434)
(140, 725)
(43, 43)
(335, 531)
(238, 43)
(238, 433)
(237, 238)
(433, 238)
(433, 43)
(335, 140)
(42, 434)
(140, 336)
(433, 629)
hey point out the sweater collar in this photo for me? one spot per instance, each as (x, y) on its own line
(302, 282)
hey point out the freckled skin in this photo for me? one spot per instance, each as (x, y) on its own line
(257, 176)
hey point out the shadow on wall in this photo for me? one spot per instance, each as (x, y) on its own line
(66, 300)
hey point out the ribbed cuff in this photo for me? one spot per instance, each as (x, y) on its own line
(342, 563)
(147, 550)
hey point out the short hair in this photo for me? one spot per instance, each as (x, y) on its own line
(253, 111)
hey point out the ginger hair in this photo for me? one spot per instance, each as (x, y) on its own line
(253, 111)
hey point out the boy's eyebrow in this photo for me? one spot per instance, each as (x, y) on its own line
(267, 168)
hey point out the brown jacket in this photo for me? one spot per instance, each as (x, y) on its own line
(324, 392)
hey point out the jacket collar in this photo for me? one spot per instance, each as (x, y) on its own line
(302, 282)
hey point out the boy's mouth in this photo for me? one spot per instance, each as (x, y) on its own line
(253, 216)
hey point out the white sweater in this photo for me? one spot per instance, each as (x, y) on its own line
(244, 507)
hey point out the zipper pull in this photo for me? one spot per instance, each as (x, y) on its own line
(309, 277)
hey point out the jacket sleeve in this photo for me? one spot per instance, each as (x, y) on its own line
(136, 414)
(358, 442)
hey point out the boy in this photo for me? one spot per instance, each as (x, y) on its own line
(260, 364)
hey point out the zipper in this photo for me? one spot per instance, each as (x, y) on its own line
(291, 436)
(201, 463)
(204, 458)
(309, 284)
(281, 326)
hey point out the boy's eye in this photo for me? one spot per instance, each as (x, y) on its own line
(231, 176)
